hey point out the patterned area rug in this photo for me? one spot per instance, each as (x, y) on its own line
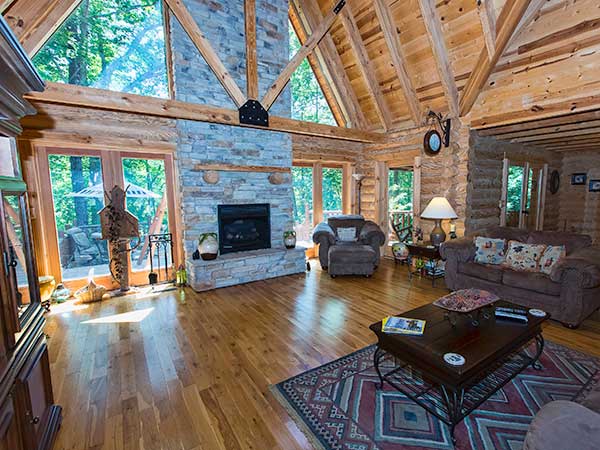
(339, 407)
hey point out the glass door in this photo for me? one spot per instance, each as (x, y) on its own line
(302, 183)
(522, 203)
(15, 244)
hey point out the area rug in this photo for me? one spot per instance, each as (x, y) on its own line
(339, 407)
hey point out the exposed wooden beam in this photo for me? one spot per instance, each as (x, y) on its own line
(251, 58)
(86, 97)
(366, 68)
(4, 4)
(331, 60)
(560, 134)
(530, 14)
(168, 49)
(487, 17)
(208, 53)
(392, 39)
(509, 19)
(433, 24)
(284, 77)
(546, 131)
(34, 21)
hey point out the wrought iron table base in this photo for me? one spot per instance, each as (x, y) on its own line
(450, 404)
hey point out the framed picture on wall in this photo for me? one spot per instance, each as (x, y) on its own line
(594, 186)
(578, 178)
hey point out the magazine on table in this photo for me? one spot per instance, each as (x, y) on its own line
(402, 325)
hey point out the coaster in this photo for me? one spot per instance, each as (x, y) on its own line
(537, 313)
(454, 359)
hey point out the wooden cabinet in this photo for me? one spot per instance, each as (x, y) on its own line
(29, 419)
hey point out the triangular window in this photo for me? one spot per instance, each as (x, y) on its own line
(308, 101)
(118, 46)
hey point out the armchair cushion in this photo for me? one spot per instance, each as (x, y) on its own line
(586, 262)
(346, 234)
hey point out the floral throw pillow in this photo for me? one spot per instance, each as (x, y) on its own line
(489, 251)
(550, 257)
(524, 257)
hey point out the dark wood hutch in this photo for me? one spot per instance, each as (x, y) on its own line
(29, 419)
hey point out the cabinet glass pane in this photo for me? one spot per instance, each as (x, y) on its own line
(18, 249)
(78, 195)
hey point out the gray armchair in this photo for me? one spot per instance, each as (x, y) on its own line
(356, 255)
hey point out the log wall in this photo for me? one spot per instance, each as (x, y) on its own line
(485, 179)
(579, 209)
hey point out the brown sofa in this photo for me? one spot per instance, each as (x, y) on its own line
(571, 292)
(360, 257)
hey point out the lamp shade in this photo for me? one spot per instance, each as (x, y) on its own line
(439, 208)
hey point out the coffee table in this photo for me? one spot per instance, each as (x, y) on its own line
(495, 352)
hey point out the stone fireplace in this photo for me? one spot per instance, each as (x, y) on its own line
(238, 159)
(244, 227)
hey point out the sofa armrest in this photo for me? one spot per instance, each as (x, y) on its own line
(323, 234)
(371, 234)
(583, 265)
(462, 250)
(563, 425)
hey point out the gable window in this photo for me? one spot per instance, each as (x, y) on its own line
(118, 46)
(308, 101)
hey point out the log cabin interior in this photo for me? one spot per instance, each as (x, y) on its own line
(212, 211)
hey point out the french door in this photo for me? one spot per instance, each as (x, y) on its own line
(72, 189)
(523, 194)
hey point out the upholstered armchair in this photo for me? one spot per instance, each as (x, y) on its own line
(349, 245)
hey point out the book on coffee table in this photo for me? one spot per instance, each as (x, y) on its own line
(402, 325)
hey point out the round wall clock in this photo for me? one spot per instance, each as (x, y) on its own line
(432, 143)
(554, 181)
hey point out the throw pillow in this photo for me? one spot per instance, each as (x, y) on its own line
(347, 234)
(550, 257)
(489, 251)
(524, 257)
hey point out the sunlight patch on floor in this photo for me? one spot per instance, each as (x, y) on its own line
(128, 317)
(67, 307)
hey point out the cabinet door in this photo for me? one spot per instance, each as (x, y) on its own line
(34, 389)
(9, 428)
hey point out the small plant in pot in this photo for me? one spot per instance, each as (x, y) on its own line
(208, 246)
(289, 239)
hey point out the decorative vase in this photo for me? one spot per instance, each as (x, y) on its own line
(61, 293)
(400, 251)
(289, 239)
(208, 246)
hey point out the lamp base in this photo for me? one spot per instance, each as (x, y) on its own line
(437, 236)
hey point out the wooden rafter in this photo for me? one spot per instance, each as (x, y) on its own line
(168, 49)
(331, 60)
(509, 19)
(432, 21)
(4, 4)
(203, 45)
(34, 21)
(394, 45)
(366, 69)
(251, 58)
(284, 77)
(86, 97)
(487, 17)
(530, 13)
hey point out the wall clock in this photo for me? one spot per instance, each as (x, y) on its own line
(432, 143)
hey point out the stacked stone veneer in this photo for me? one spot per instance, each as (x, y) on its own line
(222, 21)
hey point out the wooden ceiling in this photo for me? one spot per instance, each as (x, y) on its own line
(385, 63)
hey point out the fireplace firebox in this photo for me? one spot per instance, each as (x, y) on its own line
(244, 227)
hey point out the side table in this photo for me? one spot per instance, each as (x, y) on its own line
(429, 253)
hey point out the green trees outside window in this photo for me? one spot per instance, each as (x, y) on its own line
(308, 101)
(400, 190)
(116, 45)
(332, 191)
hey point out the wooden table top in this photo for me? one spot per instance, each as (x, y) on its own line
(481, 345)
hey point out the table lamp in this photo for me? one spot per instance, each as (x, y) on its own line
(438, 209)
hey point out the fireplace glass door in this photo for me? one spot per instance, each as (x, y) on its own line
(244, 227)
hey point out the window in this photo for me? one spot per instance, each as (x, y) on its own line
(302, 182)
(400, 202)
(110, 45)
(308, 101)
(332, 192)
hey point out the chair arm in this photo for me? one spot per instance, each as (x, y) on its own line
(583, 264)
(563, 425)
(323, 234)
(371, 234)
(462, 249)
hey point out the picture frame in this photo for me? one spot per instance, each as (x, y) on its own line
(578, 179)
(594, 186)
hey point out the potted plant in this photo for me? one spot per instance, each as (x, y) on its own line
(289, 239)
(208, 246)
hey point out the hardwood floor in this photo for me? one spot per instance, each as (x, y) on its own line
(181, 370)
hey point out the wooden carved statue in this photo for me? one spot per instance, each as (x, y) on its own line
(119, 226)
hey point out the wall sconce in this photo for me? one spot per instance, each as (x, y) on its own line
(433, 140)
